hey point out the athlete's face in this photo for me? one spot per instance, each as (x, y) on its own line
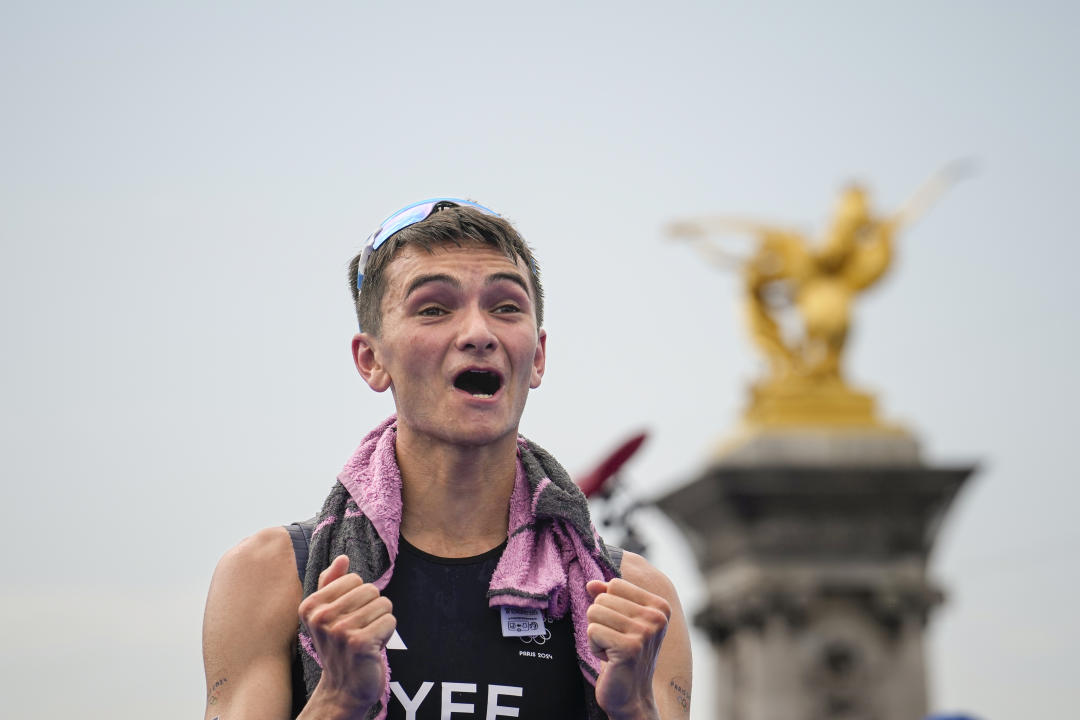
(459, 346)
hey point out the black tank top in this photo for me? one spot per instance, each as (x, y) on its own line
(449, 659)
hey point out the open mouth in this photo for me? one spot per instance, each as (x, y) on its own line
(478, 383)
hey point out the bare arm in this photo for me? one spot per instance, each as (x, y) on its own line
(637, 627)
(249, 629)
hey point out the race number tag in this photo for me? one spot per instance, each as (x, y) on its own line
(521, 622)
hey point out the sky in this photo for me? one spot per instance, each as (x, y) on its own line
(184, 183)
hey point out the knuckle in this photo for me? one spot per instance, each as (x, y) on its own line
(605, 600)
(664, 607)
(319, 616)
(359, 642)
(348, 580)
(658, 617)
(305, 608)
(362, 594)
(342, 625)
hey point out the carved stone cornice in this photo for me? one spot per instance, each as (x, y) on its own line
(808, 512)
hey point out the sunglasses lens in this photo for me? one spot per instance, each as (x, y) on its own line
(400, 220)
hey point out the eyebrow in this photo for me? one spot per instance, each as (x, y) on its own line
(512, 277)
(422, 280)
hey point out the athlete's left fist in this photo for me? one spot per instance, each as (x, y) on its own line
(626, 628)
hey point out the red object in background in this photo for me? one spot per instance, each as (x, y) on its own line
(594, 482)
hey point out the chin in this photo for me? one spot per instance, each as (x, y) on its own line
(479, 435)
(464, 431)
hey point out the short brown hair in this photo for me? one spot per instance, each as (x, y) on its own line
(450, 225)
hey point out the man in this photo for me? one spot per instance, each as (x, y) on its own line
(453, 569)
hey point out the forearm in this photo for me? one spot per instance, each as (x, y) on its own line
(248, 699)
(328, 704)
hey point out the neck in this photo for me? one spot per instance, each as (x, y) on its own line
(456, 500)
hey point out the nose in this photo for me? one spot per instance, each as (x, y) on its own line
(475, 334)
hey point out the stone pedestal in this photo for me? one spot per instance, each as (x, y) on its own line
(814, 544)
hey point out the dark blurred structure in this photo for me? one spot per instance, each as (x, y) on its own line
(613, 507)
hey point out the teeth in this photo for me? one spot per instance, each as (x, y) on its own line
(481, 395)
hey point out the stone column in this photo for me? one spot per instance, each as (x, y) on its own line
(814, 545)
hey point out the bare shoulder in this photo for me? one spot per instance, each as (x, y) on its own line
(266, 556)
(249, 627)
(641, 572)
(257, 580)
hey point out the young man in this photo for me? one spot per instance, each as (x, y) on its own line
(453, 570)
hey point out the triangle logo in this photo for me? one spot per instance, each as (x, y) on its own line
(395, 642)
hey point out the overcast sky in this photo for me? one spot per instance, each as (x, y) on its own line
(184, 183)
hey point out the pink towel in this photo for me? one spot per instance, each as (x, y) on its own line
(551, 552)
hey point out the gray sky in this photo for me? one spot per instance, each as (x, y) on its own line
(183, 184)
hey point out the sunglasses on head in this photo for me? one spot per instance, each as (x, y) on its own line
(403, 218)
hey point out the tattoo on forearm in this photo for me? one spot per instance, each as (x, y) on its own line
(681, 689)
(212, 696)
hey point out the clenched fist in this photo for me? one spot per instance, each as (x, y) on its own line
(626, 628)
(350, 624)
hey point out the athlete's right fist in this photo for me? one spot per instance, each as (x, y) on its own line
(350, 623)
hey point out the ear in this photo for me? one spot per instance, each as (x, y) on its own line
(539, 359)
(366, 358)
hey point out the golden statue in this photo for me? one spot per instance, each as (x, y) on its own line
(805, 383)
